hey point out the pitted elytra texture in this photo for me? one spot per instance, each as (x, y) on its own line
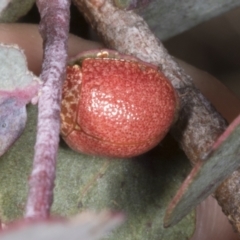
(117, 108)
(70, 99)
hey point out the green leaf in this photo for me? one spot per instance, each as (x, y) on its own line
(18, 87)
(12, 10)
(169, 18)
(207, 175)
(140, 188)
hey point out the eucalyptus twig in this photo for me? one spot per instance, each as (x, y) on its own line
(54, 28)
(199, 124)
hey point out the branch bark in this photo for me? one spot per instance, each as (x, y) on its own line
(199, 124)
(54, 29)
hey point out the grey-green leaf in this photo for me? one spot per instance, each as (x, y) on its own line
(207, 175)
(140, 188)
(18, 86)
(12, 10)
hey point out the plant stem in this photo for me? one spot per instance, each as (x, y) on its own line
(54, 27)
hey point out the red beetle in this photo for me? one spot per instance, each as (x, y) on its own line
(115, 105)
